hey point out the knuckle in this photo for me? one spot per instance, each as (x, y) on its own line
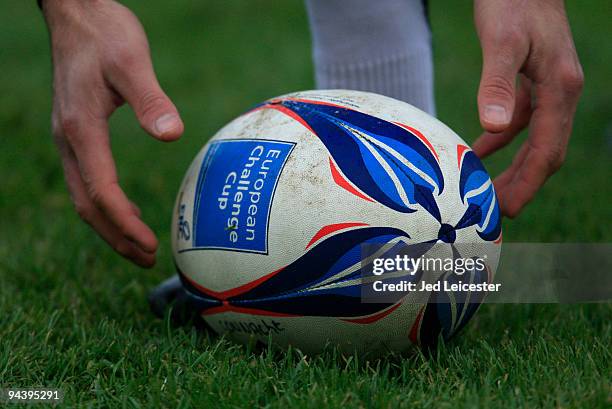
(123, 59)
(498, 86)
(512, 210)
(571, 77)
(557, 163)
(56, 128)
(67, 126)
(150, 101)
(555, 159)
(509, 37)
(98, 195)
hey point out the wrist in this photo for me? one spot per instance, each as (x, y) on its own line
(58, 13)
(58, 8)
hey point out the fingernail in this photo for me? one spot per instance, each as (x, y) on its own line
(496, 114)
(166, 123)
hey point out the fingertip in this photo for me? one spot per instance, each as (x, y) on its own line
(149, 243)
(510, 208)
(478, 147)
(142, 259)
(495, 117)
(488, 143)
(147, 261)
(134, 253)
(168, 127)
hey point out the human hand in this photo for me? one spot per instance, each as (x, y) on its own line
(528, 41)
(101, 60)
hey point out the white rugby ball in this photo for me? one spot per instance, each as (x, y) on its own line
(271, 218)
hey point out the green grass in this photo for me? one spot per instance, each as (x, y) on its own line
(73, 315)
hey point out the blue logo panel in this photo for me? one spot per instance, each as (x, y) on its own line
(234, 194)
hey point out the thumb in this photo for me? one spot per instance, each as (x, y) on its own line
(155, 111)
(496, 94)
(158, 115)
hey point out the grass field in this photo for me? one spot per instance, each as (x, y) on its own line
(74, 316)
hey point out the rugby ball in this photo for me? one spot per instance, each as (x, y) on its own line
(273, 214)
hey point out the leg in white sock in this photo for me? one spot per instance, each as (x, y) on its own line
(382, 46)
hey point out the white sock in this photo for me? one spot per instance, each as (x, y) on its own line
(382, 46)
